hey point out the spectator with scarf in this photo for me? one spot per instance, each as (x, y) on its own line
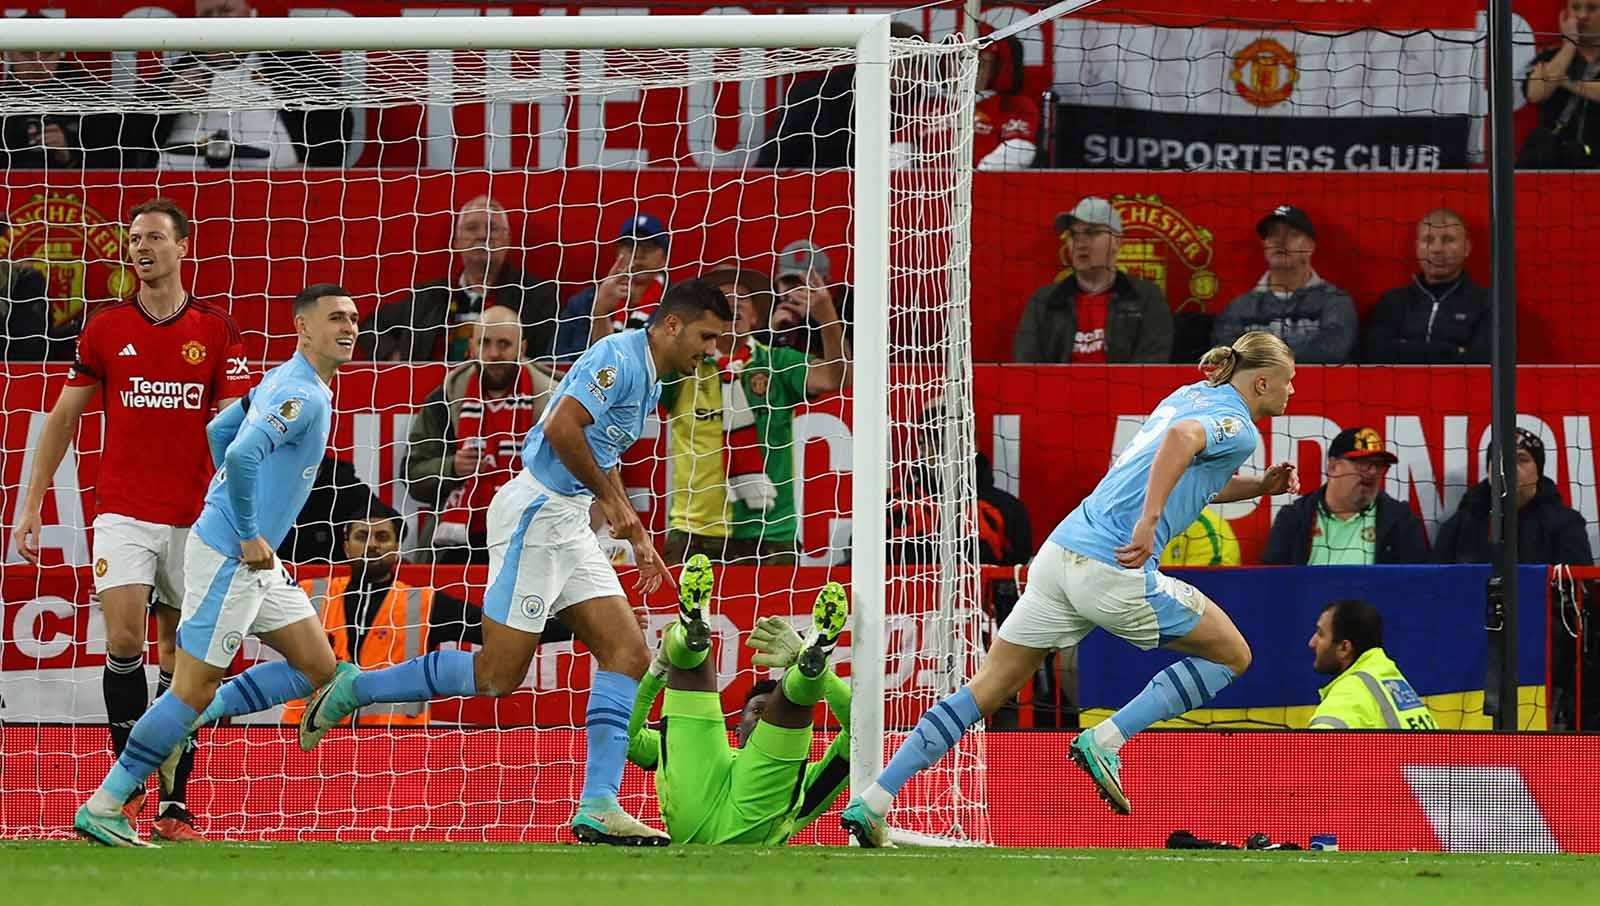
(730, 432)
(465, 439)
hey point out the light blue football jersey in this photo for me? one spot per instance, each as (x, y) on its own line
(291, 412)
(616, 381)
(1104, 520)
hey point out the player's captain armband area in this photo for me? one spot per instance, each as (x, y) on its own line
(485, 254)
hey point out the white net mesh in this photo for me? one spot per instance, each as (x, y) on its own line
(550, 183)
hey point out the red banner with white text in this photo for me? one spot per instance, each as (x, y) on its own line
(52, 644)
(1050, 433)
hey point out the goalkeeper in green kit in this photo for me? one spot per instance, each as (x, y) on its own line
(766, 790)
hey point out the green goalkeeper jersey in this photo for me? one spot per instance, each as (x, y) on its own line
(761, 794)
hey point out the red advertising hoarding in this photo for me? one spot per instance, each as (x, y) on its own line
(1458, 792)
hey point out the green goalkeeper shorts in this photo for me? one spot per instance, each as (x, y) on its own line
(713, 793)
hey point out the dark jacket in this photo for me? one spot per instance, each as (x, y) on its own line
(92, 139)
(815, 124)
(25, 317)
(411, 330)
(1548, 531)
(1400, 535)
(1412, 326)
(1005, 533)
(1318, 321)
(1138, 323)
(1583, 126)
(433, 441)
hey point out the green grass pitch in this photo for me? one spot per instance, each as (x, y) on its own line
(322, 874)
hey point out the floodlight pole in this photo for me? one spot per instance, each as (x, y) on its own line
(1500, 686)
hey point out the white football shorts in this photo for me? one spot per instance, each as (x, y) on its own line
(129, 551)
(1068, 595)
(228, 600)
(543, 556)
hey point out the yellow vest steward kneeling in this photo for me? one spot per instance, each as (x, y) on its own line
(1371, 694)
(399, 632)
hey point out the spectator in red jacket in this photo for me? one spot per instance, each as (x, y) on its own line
(1005, 124)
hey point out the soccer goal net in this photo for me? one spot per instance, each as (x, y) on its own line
(497, 194)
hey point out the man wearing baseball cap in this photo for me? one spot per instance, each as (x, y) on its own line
(1316, 318)
(1350, 520)
(1548, 531)
(626, 296)
(1096, 313)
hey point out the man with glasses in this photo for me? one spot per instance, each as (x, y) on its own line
(1096, 313)
(1349, 520)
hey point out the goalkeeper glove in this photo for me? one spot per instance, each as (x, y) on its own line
(754, 489)
(776, 642)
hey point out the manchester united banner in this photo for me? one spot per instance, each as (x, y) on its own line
(1123, 138)
(1239, 97)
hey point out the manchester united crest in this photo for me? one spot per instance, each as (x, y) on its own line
(1264, 73)
(759, 381)
(1161, 244)
(101, 567)
(194, 352)
(77, 248)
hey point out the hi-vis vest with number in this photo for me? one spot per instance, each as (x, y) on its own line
(1371, 694)
(399, 632)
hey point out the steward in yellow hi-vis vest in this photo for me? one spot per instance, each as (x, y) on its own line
(1368, 691)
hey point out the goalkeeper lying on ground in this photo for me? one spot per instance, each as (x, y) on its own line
(765, 791)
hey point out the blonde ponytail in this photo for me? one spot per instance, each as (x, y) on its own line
(1256, 349)
(1218, 365)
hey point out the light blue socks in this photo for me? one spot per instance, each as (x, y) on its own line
(606, 724)
(1182, 687)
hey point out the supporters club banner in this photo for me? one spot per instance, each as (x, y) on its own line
(1246, 58)
(1240, 69)
(52, 647)
(1126, 138)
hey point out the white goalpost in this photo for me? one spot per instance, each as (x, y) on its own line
(883, 482)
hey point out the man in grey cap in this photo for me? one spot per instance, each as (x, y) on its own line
(1096, 313)
(806, 304)
(1292, 302)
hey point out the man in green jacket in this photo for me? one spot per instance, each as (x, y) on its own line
(1368, 691)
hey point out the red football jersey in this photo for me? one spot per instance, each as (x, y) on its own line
(160, 381)
(996, 118)
(999, 118)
